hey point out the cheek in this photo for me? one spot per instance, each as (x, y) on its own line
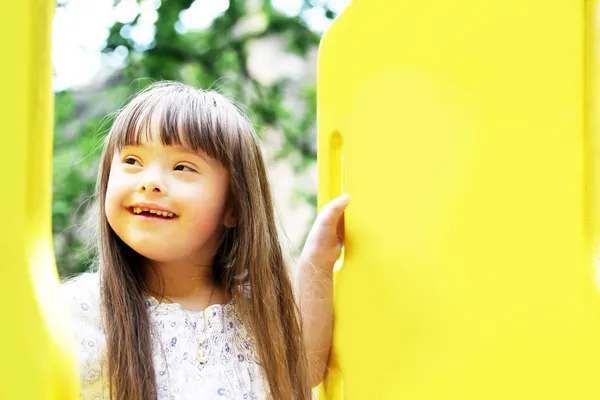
(205, 209)
(115, 194)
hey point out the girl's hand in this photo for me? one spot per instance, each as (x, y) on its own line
(321, 251)
(326, 237)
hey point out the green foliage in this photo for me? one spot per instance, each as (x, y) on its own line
(212, 58)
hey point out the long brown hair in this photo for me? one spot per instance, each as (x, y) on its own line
(249, 263)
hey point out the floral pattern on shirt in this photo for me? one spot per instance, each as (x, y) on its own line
(231, 370)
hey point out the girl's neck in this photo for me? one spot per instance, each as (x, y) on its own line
(187, 284)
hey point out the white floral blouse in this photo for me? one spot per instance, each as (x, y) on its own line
(225, 368)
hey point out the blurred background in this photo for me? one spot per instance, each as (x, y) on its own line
(260, 53)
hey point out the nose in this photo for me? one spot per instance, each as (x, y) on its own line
(149, 187)
(151, 183)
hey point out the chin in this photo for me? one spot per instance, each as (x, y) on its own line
(155, 250)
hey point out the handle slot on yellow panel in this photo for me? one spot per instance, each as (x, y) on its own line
(336, 178)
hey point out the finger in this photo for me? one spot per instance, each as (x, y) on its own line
(332, 211)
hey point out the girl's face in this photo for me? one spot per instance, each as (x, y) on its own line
(168, 203)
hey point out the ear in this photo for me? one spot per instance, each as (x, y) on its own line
(229, 219)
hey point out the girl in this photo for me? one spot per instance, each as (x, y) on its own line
(192, 299)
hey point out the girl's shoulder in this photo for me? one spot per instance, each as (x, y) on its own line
(82, 298)
(84, 285)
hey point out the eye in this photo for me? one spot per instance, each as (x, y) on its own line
(131, 160)
(184, 168)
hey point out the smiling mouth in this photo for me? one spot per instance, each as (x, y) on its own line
(148, 212)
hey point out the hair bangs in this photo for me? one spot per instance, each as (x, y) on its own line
(176, 116)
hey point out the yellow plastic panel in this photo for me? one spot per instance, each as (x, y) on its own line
(37, 357)
(462, 133)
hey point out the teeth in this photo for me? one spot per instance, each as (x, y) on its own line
(138, 210)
